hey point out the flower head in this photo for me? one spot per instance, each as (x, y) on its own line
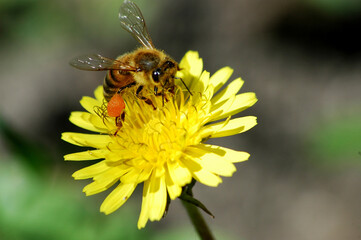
(163, 147)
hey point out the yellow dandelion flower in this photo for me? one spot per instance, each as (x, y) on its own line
(162, 148)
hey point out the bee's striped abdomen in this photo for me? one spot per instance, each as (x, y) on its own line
(116, 80)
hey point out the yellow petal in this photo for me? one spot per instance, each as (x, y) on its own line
(158, 198)
(200, 174)
(87, 155)
(211, 161)
(228, 154)
(219, 108)
(97, 187)
(219, 78)
(106, 179)
(91, 122)
(154, 200)
(191, 68)
(98, 93)
(179, 173)
(87, 140)
(231, 90)
(91, 171)
(234, 106)
(173, 189)
(120, 155)
(228, 128)
(90, 104)
(117, 197)
(192, 63)
(115, 171)
(191, 163)
(201, 84)
(207, 178)
(86, 120)
(137, 175)
(208, 93)
(198, 88)
(144, 213)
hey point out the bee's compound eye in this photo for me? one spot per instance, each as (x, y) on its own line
(156, 73)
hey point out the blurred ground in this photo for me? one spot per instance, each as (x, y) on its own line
(302, 58)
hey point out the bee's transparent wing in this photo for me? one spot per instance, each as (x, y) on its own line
(96, 62)
(132, 20)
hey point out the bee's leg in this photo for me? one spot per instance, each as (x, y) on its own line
(160, 94)
(122, 116)
(169, 89)
(119, 122)
(156, 90)
(172, 90)
(146, 100)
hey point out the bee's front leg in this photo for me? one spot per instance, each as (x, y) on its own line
(146, 100)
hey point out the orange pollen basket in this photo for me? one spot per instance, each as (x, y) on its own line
(116, 106)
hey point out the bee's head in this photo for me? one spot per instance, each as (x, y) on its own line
(164, 74)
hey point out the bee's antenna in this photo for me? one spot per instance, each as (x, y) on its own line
(163, 93)
(184, 85)
(163, 97)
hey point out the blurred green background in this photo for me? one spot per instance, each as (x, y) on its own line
(301, 57)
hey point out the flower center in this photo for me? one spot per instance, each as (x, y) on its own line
(157, 135)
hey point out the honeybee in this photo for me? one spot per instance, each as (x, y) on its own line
(146, 66)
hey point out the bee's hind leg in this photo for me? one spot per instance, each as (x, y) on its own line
(119, 122)
(146, 100)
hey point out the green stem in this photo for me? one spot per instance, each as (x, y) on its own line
(192, 206)
(198, 221)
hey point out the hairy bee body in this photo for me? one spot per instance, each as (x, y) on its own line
(153, 68)
(144, 67)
